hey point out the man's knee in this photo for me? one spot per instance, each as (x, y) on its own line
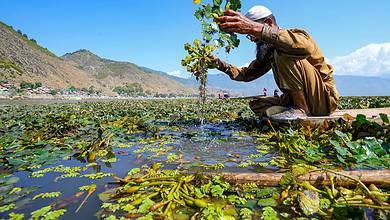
(260, 105)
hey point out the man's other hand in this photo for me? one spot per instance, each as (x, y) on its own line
(213, 61)
(235, 22)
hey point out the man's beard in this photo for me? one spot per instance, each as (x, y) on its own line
(263, 50)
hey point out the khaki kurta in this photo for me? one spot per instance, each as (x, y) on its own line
(297, 64)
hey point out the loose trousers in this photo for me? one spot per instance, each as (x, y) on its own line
(292, 74)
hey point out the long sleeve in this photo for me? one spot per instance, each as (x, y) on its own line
(255, 70)
(293, 42)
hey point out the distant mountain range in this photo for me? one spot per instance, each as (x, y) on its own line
(22, 59)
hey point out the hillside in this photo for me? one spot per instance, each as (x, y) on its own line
(22, 59)
(115, 73)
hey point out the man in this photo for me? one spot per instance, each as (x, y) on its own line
(298, 65)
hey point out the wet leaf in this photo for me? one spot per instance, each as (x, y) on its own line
(267, 202)
(309, 202)
(268, 191)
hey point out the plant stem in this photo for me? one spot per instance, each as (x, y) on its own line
(85, 199)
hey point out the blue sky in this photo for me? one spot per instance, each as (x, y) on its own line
(152, 33)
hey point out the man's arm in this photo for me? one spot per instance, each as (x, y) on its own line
(294, 42)
(255, 70)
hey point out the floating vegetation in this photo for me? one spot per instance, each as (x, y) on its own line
(117, 160)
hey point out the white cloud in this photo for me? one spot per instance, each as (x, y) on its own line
(180, 74)
(371, 60)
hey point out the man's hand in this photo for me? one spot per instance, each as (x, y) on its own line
(235, 22)
(214, 61)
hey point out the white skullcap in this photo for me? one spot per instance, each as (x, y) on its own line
(258, 12)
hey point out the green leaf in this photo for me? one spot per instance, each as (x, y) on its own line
(145, 206)
(16, 216)
(40, 212)
(269, 214)
(217, 10)
(217, 3)
(342, 151)
(287, 179)
(146, 217)
(15, 162)
(342, 135)
(325, 203)
(15, 190)
(353, 146)
(8, 207)
(199, 14)
(384, 118)
(111, 217)
(106, 195)
(246, 214)
(55, 214)
(208, 11)
(374, 146)
(87, 187)
(267, 202)
(268, 191)
(362, 119)
(301, 169)
(47, 195)
(236, 200)
(235, 5)
(217, 191)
